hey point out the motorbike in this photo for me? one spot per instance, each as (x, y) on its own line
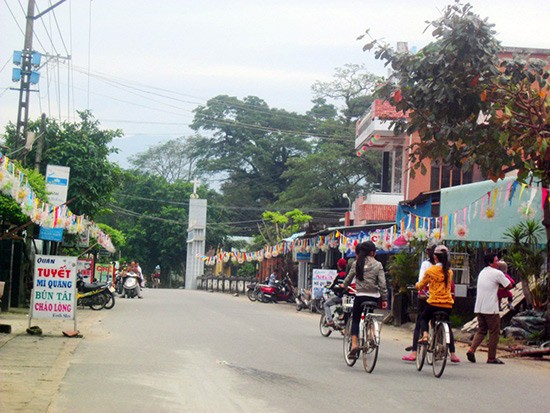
(252, 291)
(119, 283)
(131, 285)
(340, 317)
(282, 291)
(305, 300)
(94, 295)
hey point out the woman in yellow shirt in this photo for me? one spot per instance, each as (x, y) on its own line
(439, 279)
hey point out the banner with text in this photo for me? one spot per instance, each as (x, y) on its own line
(54, 287)
(319, 279)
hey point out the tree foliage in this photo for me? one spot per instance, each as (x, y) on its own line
(172, 160)
(353, 85)
(83, 147)
(277, 226)
(152, 213)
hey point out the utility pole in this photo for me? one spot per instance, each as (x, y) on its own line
(24, 89)
(26, 66)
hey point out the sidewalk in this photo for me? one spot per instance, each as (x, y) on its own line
(32, 366)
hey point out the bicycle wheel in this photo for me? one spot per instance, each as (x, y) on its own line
(350, 361)
(421, 355)
(439, 350)
(370, 351)
(325, 331)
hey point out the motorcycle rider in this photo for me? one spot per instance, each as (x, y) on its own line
(335, 286)
(370, 281)
(273, 278)
(133, 271)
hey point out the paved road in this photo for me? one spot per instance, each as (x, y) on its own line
(192, 351)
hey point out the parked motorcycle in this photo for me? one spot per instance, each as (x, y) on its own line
(131, 285)
(282, 291)
(92, 295)
(305, 300)
(252, 291)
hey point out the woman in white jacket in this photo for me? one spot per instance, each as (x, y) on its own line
(370, 285)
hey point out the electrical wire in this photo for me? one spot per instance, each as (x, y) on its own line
(14, 18)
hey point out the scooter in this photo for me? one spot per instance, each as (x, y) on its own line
(282, 291)
(131, 285)
(252, 291)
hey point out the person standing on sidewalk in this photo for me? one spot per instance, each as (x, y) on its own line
(486, 308)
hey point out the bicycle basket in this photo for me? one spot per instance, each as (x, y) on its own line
(347, 303)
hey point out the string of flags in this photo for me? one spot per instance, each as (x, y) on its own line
(411, 228)
(485, 207)
(14, 183)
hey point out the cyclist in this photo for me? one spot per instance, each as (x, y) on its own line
(422, 297)
(438, 278)
(370, 286)
(337, 298)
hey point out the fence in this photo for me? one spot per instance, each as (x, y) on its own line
(223, 284)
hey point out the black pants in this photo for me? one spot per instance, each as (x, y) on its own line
(356, 312)
(428, 314)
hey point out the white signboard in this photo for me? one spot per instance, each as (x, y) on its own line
(54, 287)
(57, 183)
(319, 279)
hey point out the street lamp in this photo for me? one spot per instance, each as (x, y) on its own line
(344, 195)
(347, 219)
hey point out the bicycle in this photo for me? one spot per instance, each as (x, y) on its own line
(437, 344)
(368, 340)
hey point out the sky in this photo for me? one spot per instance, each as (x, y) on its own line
(143, 66)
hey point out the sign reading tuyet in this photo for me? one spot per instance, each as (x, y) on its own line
(54, 287)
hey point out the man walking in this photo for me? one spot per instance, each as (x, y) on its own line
(486, 308)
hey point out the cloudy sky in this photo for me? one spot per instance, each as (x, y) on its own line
(143, 66)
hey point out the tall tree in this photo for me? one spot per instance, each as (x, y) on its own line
(250, 144)
(470, 108)
(353, 85)
(172, 160)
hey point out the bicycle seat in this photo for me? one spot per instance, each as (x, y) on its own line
(441, 316)
(369, 306)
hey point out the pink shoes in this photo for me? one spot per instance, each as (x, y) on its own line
(409, 357)
(455, 359)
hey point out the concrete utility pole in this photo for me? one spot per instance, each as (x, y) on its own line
(196, 233)
(25, 89)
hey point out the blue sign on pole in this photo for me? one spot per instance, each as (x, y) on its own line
(51, 234)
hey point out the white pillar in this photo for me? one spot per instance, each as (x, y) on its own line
(196, 233)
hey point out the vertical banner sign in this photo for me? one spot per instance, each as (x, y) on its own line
(57, 185)
(54, 287)
(319, 279)
(104, 272)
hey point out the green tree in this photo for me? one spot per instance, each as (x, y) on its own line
(470, 108)
(83, 147)
(172, 160)
(354, 85)
(277, 226)
(249, 145)
(152, 213)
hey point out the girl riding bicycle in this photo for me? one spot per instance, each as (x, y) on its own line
(438, 278)
(370, 285)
